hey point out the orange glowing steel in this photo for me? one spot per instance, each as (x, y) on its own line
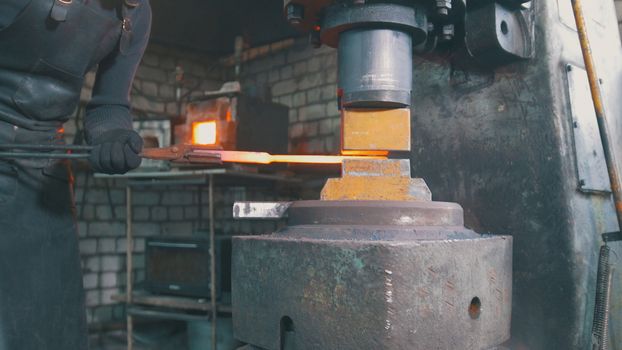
(266, 158)
(365, 153)
(204, 133)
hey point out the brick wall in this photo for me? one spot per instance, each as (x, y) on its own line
(300, 77)
(156, 211)
(304, 79)
(169, 211)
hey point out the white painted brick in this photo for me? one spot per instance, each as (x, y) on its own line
(176, 213)
(87, 211)
(139, 261)
(284, 87)
(329, 92)
(143, 104)
(286, 100)
(107, 245)
(150, 88)
(332, 110)
(112, 263)
(310, 81)
(89, 281)
(311, 129)
(140, 213)
(166, 91)
(293, 115)
(152, 74)
(296, 130)
(139, 245)
(106, 297)
(150, 59)
(191, 213)
(106, 228)
(103, 213)
(92, 264)
(167, 63)
(330, 75)
(82, 229)
(299, 99)
(326, 126)
(300, 69)
(316, 111)
(88, 246)
(108, 280)
(287, 72)
(177, 228)
(314, 95)
(159, 214)
(177, 198)
(146, 229)
(273, 76)
(314, 64)
(120, 212)
(93, 297)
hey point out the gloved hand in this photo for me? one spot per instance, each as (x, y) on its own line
(116, 151)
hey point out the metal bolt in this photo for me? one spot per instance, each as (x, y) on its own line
(295, 13)
(447, 32)
(443, 7)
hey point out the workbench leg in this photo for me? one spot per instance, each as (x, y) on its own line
(212, 252)
(128, 266)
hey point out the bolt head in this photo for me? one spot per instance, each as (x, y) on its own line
(294, 13)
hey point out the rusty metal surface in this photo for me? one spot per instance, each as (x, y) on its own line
(376, 129)
(343, 294)
(348, 275)
(503, 154)
(376, 180)
(394, 213)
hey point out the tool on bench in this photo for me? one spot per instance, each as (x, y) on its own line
(178, 154)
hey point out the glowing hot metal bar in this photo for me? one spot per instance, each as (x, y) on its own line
(198, 154)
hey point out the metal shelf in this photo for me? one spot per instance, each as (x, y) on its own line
(136, 302)
(173, 302)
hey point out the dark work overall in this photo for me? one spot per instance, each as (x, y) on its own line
(42, 65)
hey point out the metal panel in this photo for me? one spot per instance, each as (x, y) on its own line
(590, 158)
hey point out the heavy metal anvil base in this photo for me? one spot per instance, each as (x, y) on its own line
(372, 275)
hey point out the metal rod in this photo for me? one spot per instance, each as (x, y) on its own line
(597, 98)
(32, 155)
(601, 309)
(128, 266)
(212, 252)
(45, 147)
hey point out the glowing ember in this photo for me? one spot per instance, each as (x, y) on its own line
(204, 133)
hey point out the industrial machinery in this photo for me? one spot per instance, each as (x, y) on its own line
(376, 264)
(502, 122)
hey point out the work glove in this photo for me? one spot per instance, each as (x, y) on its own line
(116, 151)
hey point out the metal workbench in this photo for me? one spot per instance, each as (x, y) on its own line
(144, 305)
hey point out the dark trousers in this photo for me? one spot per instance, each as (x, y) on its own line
(41, 293)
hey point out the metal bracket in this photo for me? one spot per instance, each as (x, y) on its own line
(496, 34)
(612, 237)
